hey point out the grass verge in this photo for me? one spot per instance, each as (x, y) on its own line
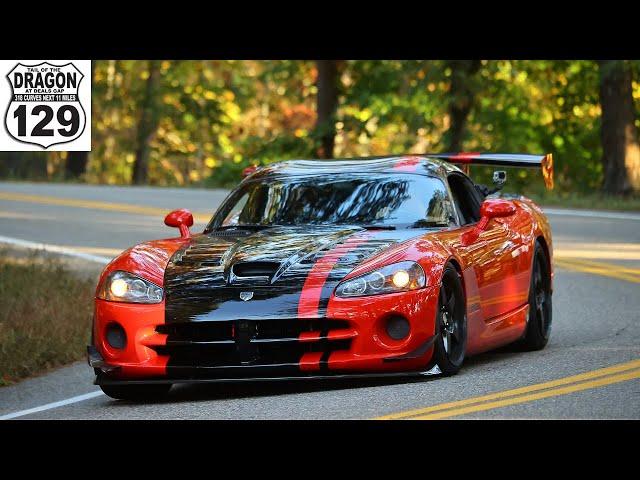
(593, 201)
(45, 315)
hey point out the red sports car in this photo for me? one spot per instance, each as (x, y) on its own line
(334, 268)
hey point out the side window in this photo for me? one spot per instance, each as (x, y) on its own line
(466, 198)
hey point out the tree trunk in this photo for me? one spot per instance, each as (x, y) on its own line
(147, 125)
(462, 95)
(76, 164)
(327, 103)
(620, 148)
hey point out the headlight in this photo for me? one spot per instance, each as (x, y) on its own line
(125, 287)
(398, 277)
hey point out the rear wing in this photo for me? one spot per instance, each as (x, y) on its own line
(545, 162)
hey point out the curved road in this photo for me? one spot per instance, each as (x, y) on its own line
(590, 368)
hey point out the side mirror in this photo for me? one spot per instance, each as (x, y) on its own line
(496, 207)
(492, 208)
(181, 219)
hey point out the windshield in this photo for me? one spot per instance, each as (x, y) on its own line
(391, 200)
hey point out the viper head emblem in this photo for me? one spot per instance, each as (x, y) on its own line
(246, 296)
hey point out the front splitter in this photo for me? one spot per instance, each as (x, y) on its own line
(101, 380)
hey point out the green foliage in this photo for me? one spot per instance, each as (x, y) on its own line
(217, 117)
(540, 107)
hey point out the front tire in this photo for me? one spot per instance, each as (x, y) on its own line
(540, 311)
(451, 324)
(136, 392)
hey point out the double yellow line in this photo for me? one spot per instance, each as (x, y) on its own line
(569, 261)
(598, 378)
(599, 268)
(95, 205)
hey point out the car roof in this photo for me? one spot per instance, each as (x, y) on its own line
(416, 164)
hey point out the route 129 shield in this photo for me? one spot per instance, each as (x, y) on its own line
(45, 106)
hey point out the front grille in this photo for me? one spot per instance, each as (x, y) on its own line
(251, 343)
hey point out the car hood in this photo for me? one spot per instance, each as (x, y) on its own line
(281, 272)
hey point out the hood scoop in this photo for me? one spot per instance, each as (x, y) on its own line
(253, 270)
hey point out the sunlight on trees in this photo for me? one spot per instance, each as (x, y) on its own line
(201, 122)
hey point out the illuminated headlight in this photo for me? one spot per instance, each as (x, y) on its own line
(121, 286)
(398, 277)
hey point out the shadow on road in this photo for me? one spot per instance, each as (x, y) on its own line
(236, 391)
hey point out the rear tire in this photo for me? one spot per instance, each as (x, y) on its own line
(451, 324)
(136, 392)
(540, 308)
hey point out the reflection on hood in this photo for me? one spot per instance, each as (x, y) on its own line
(203, 280)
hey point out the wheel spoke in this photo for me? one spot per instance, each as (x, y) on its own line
(451, 304)
(542, 311)
(456, 332)
(450, 320)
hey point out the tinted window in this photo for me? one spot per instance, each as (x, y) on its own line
(466, 197)
(401, 200)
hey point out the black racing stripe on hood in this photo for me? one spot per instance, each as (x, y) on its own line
(200, 284)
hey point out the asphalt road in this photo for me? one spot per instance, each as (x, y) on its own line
(590, 368)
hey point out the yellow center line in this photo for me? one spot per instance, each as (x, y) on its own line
(114, 252)
(555, 392)
(516, 392)
(597, 246)
(609, 271)
(592, 263)
(601, 253)
(94, 205)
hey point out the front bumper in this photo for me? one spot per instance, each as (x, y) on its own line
(103, 369)
(358, 346)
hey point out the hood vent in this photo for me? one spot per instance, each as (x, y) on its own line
(255, 269)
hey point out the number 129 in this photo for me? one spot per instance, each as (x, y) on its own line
(70, 127)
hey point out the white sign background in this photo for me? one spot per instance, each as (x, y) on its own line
(9, 144)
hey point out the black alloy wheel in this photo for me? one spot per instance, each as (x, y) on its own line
(540, 307)
(451, 323)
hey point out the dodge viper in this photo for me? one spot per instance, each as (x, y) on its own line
(331, 268)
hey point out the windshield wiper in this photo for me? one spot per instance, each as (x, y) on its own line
(378, 227)
(243, 227)
(428, 224)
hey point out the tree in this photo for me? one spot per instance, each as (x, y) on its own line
(462, 95)
(327, 103)
(203, 122)
(76, 163)
(148, 123)
(620, 148)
